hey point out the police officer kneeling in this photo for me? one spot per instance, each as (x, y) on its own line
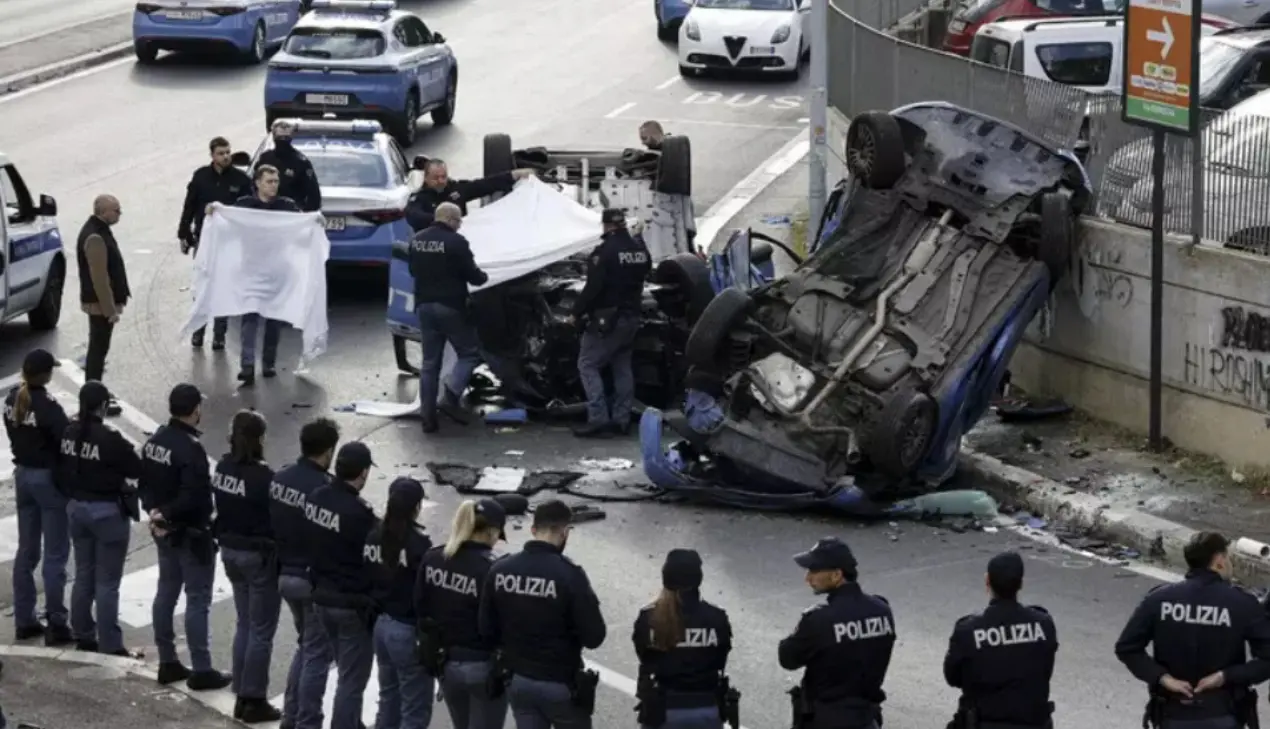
(1198, 677)
(339, 524)
(609, 306)
(1002, 659)
(845, 645)
(539, 609)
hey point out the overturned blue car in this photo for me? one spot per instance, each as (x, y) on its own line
(850, 381)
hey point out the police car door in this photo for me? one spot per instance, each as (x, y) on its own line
(29, 237)
(280, 16)
(430, 63)
(4, 256)
(409, 49)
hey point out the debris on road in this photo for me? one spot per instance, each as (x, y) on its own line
(606, 464)
(500, 479)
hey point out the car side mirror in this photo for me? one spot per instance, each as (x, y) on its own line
(48, 207)
(240, 159)
(438, 38)
(419, 162)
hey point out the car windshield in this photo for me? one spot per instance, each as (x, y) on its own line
(1216, 62)
(746, 4)
(346, 168)
(335, 43)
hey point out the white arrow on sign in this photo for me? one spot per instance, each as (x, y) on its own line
(1163, 37)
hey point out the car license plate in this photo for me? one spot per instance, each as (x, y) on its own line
(336, 224)
(327, 99)
(183, 14)
(762, 50)
(956, 26)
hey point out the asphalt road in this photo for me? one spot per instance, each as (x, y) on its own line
(20, 19)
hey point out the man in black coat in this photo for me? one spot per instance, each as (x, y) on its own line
(439, 188)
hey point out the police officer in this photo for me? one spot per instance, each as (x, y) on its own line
(219, 182)
(443, 267)
(1199, 676)
(96, 462)
(538, 608)
(439, 188)
(448, 592)
(299, 181)
(34, 422)
(1002, 659)
(176, 490)
(609, 305)
(240, 488)
(288, 494)
(394, 550)
(339, 523)
(844, 644)
(683, 644)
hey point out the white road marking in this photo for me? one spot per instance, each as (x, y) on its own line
(65, 79)
(668, 83)
(705, 123)
(137, 590)
(620, 110)
(728, 206)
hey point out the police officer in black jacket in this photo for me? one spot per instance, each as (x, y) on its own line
(844, 644)
(240, 488)
(439, 188)
(1002, 659)
(609, 306)
(339, 524)
(299, 180)
(447, 600)
(95, 465)
(683, 644)
(1199, 676)
(219, 182)
(288, 494)
(34, 422)
(540, 611)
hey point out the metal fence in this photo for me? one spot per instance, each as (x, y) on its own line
(870, 70)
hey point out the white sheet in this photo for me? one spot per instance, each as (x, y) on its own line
(263, 262)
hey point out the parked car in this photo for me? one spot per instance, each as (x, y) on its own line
(974, 14)
(857, 374)
(670, 15)
(249, 29)
(761, 36)
(32, 257)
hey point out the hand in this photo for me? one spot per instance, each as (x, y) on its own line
(1211, 682)
(186, 246)
(208, 210)
(523, 173)
(113, 318)
(1173, 685)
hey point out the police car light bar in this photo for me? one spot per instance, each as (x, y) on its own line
(373, 6)
(359, 127)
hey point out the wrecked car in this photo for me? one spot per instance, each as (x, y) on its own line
(856, 375)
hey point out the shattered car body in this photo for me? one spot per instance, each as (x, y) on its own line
(854, 377)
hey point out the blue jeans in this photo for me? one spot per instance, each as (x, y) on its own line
(180, 569)
(701, 717)
(100, 534)
(349, 638)
(41, 515)
(467, 698)
(254, 579)
(306, 679)
(439, 324)
(273, 332)
(613, 350)
(544, 705)
(405, 690)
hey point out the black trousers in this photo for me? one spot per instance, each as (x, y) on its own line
(220, 325)
(100, 331)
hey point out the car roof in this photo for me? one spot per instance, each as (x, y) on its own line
(1244, 36)
(336, 18)
(1024, 25)
(1256, 105)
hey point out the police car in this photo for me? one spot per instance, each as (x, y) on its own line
(248, 27)
(32, 263)
(363, 60)
(363, 177)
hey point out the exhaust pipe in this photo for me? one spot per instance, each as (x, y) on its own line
(854, 456)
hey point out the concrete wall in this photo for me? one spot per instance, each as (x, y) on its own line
(1092, 345)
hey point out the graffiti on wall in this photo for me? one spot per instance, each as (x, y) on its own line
(1097, 285)
(1243, 329)
(1238, 366)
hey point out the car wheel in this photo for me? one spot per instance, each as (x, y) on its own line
(687, 71)
(691, 277)
(1058, 235)
(444, 114)
(901, 436)
(145, 52)
(875, 149)
(256, 53)
(667, 32)
(674, 167)
(498, 154)
(45, 316)
(724, 313)
(408, 125)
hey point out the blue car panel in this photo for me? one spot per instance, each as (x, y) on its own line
(203, 24)
(671, 12)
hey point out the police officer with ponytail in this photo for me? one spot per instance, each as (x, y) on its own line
(393, 552)
(34, 422)
(95, 465)
(448, 593)
(683, 643)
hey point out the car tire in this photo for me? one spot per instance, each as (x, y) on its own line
(444, 114)
(406, 127)
(256, 52)
(1058, 235)
(687, 71)
(498, 155)
(901, 436)
(691, 276)
(145, 52)
(875, 150)
(674, 169)
(45, 316)
(717, 321)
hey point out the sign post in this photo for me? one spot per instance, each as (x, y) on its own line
(1161, 92)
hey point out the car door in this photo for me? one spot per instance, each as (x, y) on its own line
(431, 62)
(26, 241)
(409, 56)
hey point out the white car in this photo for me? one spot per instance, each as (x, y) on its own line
(767, 36)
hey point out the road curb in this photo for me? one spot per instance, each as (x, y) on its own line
(1152, 536)
(27, 79)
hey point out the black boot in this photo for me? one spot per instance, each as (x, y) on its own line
(430, 424)
(593, 430)
(218, 343)
(238, 708)
(173, 671)
(28, 632)
(451, 406)
(268, 372)
(87, 645)
(56, 636)
(247, 376)
(196, 341)
(208, 680)
(258, 711)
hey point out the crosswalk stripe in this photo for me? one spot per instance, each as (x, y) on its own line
(137, 590)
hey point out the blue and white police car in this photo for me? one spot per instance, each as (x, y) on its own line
(250, 28)
(363, 176)
(363, 60)
(32, 263)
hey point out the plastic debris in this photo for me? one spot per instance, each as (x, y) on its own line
(962, 502)
(606, 464)
(349, 408)
(517, 454)
(776, 220)
(500, 480)
(517, 416)
(1036, 523)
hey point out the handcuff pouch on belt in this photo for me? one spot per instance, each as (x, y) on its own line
(651, 709)
(1246, 708)
(130, 503)
(499, 676)
(432, 655)
(582, 691)
(800, 708)
(604, 321)
(729, 703)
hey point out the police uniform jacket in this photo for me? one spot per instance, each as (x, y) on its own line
(423, 203)
(615, 275)
(339, 523)
(96, 461)
(296, 178)
(241, 492)
(694, 666)
(395, 583)
(539, 608)
(442, 265)
(287, 497)
(845, 646)
(449, 592)
(207, 186)
(279, 203)
(175, 476)
(37, 438)
(1197, 627)
(1002, 660)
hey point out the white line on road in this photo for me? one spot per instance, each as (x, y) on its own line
(620, 110)
(137, 590)
(668, 83)
(65, 79)
(705, 123)
(728, 206)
